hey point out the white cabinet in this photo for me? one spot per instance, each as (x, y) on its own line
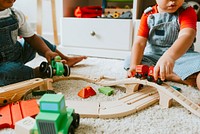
(110, 38)
(100, 37)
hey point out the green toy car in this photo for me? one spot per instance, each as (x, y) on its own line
(57, 68)
(54, 117)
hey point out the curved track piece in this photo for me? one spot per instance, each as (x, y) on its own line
(15, 92)
(166, 92)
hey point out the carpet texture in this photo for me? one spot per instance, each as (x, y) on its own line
(152, 120)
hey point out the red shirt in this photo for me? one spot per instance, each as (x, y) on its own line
(187, 19)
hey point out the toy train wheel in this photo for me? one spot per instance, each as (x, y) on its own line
(159, 81)
(150, 78)
(49, 72)
(139, 75)
(71, 129)
(76, 120)
(136, 75)
(67, 70)
(43, 67)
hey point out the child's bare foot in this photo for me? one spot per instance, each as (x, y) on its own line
(71, 61)
(191, 80)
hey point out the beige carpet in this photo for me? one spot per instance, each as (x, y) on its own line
(152, 120)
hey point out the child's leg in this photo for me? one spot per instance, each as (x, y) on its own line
(28, 53)
(12, 72)
(190, 81)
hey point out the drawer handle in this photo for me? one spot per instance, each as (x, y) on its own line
(92, 33)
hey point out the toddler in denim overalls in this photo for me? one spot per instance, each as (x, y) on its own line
(163, 32)
(14, 54)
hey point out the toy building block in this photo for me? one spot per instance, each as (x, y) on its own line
(14, 112)
(106, 90)
(86, 92)
(25, 125)
(90, 91)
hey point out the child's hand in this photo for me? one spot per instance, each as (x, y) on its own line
(49, 55)
(130, 73)
(164, 67)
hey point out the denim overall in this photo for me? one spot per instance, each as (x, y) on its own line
(164, 30)
(13, 54)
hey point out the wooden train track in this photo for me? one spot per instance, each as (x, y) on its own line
(15, 92)
(121, 107)
(166, 92)
(124, 106)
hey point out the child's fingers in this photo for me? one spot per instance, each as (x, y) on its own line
(162, 72)
(156, 72)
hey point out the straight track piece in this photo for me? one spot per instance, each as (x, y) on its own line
(86, 109)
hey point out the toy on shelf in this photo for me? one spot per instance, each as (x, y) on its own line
(106, 90)
(115, 11)
(54, 114)
(57, 68)
(88, 11)
(86, 92)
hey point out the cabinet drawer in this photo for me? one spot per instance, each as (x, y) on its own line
(97, 33)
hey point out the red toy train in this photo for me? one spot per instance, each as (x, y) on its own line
(146, 72)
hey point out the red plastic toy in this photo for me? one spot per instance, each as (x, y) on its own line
(86, 92)
(141, 71)
(16, 111)
(146, 72)
(150, 76)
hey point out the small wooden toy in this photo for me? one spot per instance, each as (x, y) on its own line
(106, 90)
(86, 92)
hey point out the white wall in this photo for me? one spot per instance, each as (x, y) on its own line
(29, 8)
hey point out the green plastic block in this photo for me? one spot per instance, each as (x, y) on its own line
(106, 90)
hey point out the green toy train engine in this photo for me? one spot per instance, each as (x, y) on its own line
(54, 117)
(57, 68)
